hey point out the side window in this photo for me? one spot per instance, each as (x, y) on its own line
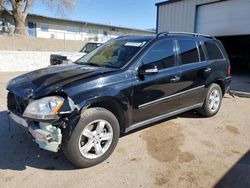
(201, 52)
(188, 51)
(213, 51)
(162, 55)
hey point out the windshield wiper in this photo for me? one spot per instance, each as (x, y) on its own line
(97, 65)
(109, 66)
(91, 64)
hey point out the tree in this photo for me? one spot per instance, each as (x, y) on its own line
(20, 9)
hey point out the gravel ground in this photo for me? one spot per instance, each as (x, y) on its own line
(184, 151)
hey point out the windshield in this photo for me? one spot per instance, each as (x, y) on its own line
(115, 53)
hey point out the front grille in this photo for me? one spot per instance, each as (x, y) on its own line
(16, 104)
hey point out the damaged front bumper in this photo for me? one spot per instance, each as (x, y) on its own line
(47, 136)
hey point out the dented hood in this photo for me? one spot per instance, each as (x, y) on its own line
(48, 80)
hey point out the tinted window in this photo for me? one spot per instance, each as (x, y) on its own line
(188, 51)
(162, 55)
(202, 55)
(213, 51)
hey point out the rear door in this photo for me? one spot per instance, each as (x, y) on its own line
(194, 71)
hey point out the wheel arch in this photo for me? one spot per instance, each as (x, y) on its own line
(218, 77)
(221, 83)
(114, 106)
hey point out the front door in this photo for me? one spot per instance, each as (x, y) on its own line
(155, 95)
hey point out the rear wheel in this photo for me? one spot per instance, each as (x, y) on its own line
(94, 138)
(212, 102)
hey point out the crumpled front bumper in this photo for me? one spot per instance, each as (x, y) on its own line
(48, 137)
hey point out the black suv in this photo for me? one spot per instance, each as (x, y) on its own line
(125, 84)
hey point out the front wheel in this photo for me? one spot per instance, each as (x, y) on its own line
(94, 138)
(212, 101)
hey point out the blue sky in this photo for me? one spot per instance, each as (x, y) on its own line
(139, 14)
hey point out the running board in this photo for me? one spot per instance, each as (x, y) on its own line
(161, 117)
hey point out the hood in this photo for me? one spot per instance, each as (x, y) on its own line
(72, 56)
(75, 56)
(45, 81)
(65, 53)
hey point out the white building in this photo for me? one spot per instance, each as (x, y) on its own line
(48, 27)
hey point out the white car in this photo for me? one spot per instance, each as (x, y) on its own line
(69, 57)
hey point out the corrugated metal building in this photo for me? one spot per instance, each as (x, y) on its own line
(228, 20)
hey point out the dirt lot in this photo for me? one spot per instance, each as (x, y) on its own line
(185, 151)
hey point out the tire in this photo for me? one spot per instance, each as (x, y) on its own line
(82, 149)
(206, 109)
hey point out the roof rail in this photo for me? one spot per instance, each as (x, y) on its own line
(183, 33)
(162, 34)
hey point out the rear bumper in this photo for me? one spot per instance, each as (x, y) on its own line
(48, 137)
(227, 83)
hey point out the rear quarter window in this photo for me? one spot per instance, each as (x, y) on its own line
(213, 51)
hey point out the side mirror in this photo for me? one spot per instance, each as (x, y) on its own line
(148, 69)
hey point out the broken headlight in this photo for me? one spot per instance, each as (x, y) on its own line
(44, 109)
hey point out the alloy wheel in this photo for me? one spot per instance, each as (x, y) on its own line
(95, 139)
(214, 100)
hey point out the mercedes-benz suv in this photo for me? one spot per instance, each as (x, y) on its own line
(126, 83)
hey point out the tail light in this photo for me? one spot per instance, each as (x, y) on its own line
(229, 70)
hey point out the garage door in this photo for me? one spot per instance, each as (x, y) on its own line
(224, 18)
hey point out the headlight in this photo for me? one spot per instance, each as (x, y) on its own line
(45, 109)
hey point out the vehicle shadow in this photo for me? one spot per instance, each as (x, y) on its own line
(17, 150)
(238, 175)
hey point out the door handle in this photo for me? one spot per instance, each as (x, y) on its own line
(175, 79)
(207, 70)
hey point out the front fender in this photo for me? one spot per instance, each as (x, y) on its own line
(97, 97)
(86, 98)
